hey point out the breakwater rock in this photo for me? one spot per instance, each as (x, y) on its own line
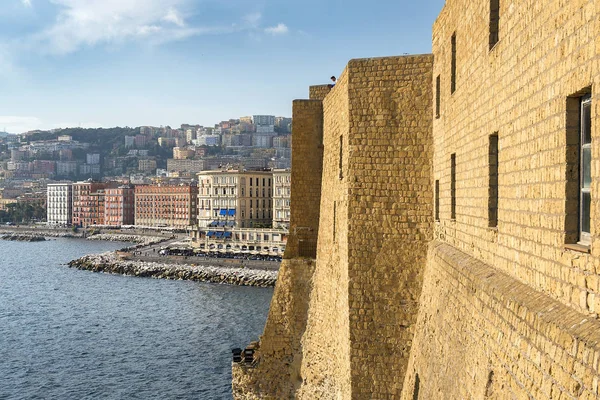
(23, 238)
(111, 263)
(138, 239)
(40, 233)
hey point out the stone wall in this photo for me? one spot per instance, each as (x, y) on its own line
(510, 311)
(390, 214)
(326, 344)
(276, 373)
(548, 51)
(503, 303)
(482, 334)
(307, 145)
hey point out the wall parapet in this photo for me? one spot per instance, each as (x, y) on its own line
(515, 341)
(307, 167)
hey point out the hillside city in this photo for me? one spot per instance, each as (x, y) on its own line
(225, 184)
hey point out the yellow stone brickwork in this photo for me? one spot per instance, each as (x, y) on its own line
(547, 52)
(399, 304)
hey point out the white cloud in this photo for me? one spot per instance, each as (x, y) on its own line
(93, 22)
(280, 29)
(26, 3)
(174, 17)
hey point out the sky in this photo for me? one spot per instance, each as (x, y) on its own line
(104, 63)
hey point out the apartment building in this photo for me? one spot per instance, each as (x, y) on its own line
(59, 203)
(166, 205)
(88, 203)
(282, 189)
(119, 206)
(235, 198)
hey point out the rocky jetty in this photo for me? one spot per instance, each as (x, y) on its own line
(22, 238)
(112, 263)
(40, 233)
(137, 239)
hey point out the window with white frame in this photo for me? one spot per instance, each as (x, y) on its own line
(585, 175)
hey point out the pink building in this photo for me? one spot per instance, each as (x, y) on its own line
(119, 206)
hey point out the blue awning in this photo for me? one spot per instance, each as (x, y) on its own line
(231, 212)
(227, 234)
(222, 211)
(231, 223)
(221, 223)
(219, 234)
(210, 233)
(214, 223)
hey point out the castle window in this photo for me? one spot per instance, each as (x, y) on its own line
(453, 65)
(437, 200)
(334, 218)
(416, 388)
(493, 181)
(585, 175)
(341, 156)
(579, 176)
(494, 22)
(438, 87)
(453, 186)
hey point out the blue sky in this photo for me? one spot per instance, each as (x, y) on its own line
(165, 62)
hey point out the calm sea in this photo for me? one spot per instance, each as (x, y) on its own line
(70, 334)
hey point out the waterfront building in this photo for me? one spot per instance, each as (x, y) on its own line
(166, 205)
(119, 206)
(265, 241)
(235, 198)
(59, 203)
(88, 203)
(282, 190)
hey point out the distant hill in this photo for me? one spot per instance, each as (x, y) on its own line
(4, 134)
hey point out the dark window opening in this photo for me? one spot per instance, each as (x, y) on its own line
(493, 181)
(437, 200)
(416, 388)
(341, 156)
(453, 186)
(334, 218)
(453, 65)
(438, 87)
(494, 22)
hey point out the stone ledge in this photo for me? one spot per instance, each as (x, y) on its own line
(547, 315)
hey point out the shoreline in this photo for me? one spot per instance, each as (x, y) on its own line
(119, 262)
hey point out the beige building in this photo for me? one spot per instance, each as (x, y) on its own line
(235, 198)
(183, 153)
(281, 198)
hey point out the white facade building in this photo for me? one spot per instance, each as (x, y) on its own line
(60, 203)
(282, 190)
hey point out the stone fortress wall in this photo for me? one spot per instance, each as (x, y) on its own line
(447, 261)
